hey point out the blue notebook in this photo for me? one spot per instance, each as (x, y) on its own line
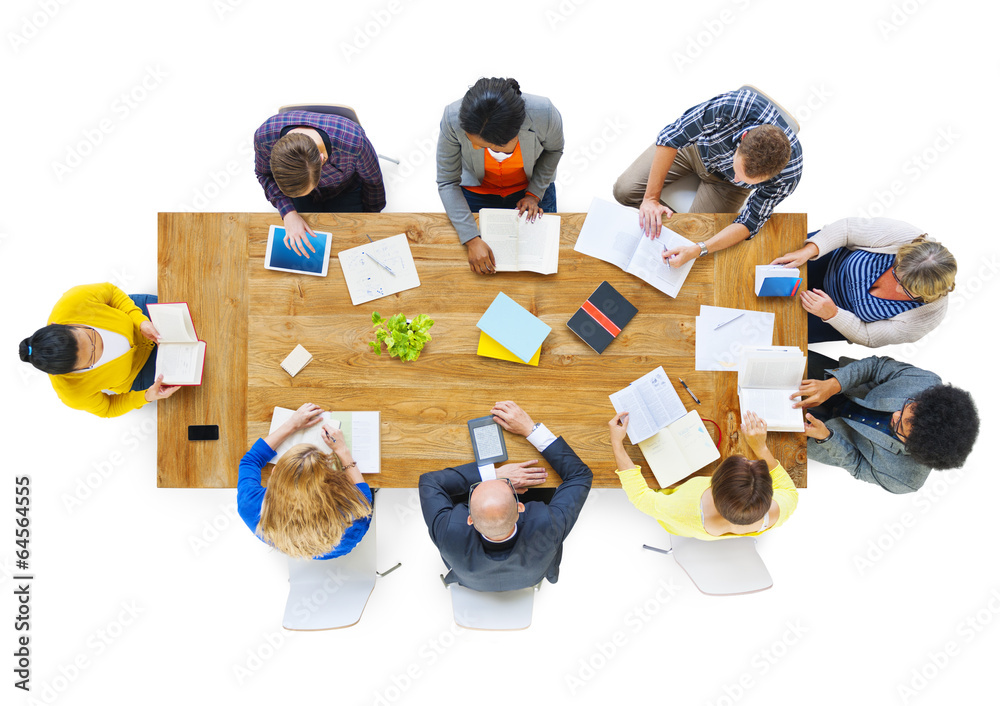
(513, 327)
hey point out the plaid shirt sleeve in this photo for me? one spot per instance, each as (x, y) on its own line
(686, 129)
(762, 203)
(263, 140)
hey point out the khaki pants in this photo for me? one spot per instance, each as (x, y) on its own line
(715, 194)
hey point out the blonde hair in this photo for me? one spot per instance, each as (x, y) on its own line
(309, 503)
(926, 269)
(295, 164)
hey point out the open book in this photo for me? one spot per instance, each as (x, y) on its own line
(361, 433)
(651, 403)
(679, 449)
(180, 356)
(518, 244)
(776, 281)
(611, 233)
(767, 378)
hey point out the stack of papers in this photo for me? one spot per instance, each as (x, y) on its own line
(651, 403)
(514, 328)
(720, 336)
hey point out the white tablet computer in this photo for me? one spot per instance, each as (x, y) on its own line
(284, 259)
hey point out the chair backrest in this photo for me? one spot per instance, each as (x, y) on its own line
(789, 118)
(343, 111)
(331, 593)
(679, 195)
(492, 610)
(722, 567)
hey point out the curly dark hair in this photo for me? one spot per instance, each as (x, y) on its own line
(944, 428)
(766, 151)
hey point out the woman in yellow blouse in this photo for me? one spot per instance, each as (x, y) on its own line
(742, 497)
(99, 341)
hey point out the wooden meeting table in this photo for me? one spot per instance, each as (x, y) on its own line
(251, 318)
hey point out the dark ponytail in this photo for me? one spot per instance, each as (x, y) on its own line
(493, 109)
(52, 349)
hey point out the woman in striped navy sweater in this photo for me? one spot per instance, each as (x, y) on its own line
(876, 281)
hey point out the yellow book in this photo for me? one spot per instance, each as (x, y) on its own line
(488, 348)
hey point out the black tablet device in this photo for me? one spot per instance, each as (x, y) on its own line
(487, 441)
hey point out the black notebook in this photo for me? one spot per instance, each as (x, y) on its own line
(602, 317)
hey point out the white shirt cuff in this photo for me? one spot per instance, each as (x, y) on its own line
(488, 472)
(540, 438)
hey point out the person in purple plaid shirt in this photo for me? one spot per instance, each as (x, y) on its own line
(316, 163)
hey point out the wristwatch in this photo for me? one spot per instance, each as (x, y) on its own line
(704, 249)
(823, 441)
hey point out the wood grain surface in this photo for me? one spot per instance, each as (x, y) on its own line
(425, 404)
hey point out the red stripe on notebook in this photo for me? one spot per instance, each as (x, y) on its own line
(606, 323)
(796, 288)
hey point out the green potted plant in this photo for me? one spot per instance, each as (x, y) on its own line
(403, 338)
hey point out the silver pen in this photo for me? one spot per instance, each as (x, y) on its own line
(726, 322)
(381, 264)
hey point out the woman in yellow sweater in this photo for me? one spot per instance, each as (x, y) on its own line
(742, 497)
(99, 341)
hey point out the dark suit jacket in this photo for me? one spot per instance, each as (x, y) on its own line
(537, 547)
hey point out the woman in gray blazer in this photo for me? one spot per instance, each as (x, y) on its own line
(497, 149)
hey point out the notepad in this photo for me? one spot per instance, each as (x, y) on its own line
(651, 403)
(679, 449)
(180, 355)
(296, 360)
(602, 317)
(776, 281)
(362, 434)
(488, 348)
(718, 347)
(768, 376)
(365, 270)
(519, 244)
(514, 327)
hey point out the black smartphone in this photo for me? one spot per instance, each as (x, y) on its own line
(203, 432)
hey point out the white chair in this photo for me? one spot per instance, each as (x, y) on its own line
(723, 567)
(331, 593)
(679, 195)
(344, 111)
(492, 610)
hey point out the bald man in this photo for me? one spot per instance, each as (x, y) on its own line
(490, 538)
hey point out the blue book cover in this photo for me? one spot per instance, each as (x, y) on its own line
(514, 327)
(779, 286)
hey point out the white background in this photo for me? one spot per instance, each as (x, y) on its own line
(875, 86)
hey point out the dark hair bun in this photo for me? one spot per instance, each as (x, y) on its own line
(513, 84)
(23, 349)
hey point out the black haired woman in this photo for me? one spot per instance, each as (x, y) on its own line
(99, 350)
(497, 149)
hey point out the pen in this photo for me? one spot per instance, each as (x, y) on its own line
(689, 391)
(726, 322)
(369, 238)
(381, 264)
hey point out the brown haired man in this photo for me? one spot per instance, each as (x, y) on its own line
(315, 163)
(739, 146)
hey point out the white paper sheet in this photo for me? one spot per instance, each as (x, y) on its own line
(720, 349)
(367, 280)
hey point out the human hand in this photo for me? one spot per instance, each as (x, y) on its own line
(334, 438)
(295, 233)
(675, 257)
(522, 475)
(149, 331)
(818, 303)
(512, 418)
(813, 393)
(528, 206)
(159, 391)
(816, 429)
(619, 428)
(754, 430)
(307, 415)
(651, 213)
(481, 260)
(799, 257)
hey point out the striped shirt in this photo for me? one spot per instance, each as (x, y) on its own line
(716, 127)
(351, 154)
(849, 276)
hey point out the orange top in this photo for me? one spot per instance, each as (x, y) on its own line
(502, 178)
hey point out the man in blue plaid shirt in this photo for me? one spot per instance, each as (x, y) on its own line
(739, 145)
